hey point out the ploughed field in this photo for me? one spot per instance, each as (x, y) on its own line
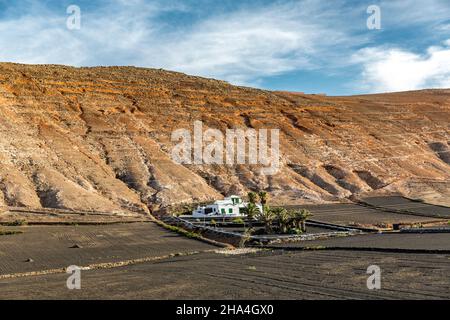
(357, 215)
(143, 261)
(405, 205)
(263, 275)
(52, 247)
(49, 216)
(413, 242)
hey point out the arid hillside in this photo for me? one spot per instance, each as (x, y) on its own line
(100, 139)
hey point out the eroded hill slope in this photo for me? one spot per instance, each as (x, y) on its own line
(100, 139)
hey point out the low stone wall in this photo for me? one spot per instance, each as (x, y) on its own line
(208, 232)
(236, 238)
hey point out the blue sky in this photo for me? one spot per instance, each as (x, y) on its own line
(311, 46)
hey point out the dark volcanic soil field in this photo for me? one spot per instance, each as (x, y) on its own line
(407, 205)
(352, 214)
(139, 261)
(50, 246)
(267, 275)
(392, 241)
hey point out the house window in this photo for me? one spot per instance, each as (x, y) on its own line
(222, 210)
(230, 210)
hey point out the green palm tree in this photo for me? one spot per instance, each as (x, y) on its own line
(247, 235)
(300, 217)
(252, 197)
(263, 197)
(267, 217)
(283, 218)
(251, 211)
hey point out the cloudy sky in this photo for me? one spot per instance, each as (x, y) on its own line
(302, 45)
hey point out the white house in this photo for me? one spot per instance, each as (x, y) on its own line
(229, 207)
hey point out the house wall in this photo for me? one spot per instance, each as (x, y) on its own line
(234, 209)
(227, 206)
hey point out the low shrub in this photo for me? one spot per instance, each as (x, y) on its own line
(16, 223)
(189, 234)
(8, 233)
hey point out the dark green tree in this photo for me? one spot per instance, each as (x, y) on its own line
(252, 197)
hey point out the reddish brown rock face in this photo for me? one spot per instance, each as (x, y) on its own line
(100, 139)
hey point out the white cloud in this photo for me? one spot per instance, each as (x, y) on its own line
(246, 45)
(110, 35)
(408, 13)
(443, 27)
(240, 46)
(392, 69)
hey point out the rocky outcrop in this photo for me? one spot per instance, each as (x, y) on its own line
(99, 139)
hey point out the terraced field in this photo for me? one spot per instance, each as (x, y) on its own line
(356, 215)
(389, 241)
(409, 206)
(144, 261)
